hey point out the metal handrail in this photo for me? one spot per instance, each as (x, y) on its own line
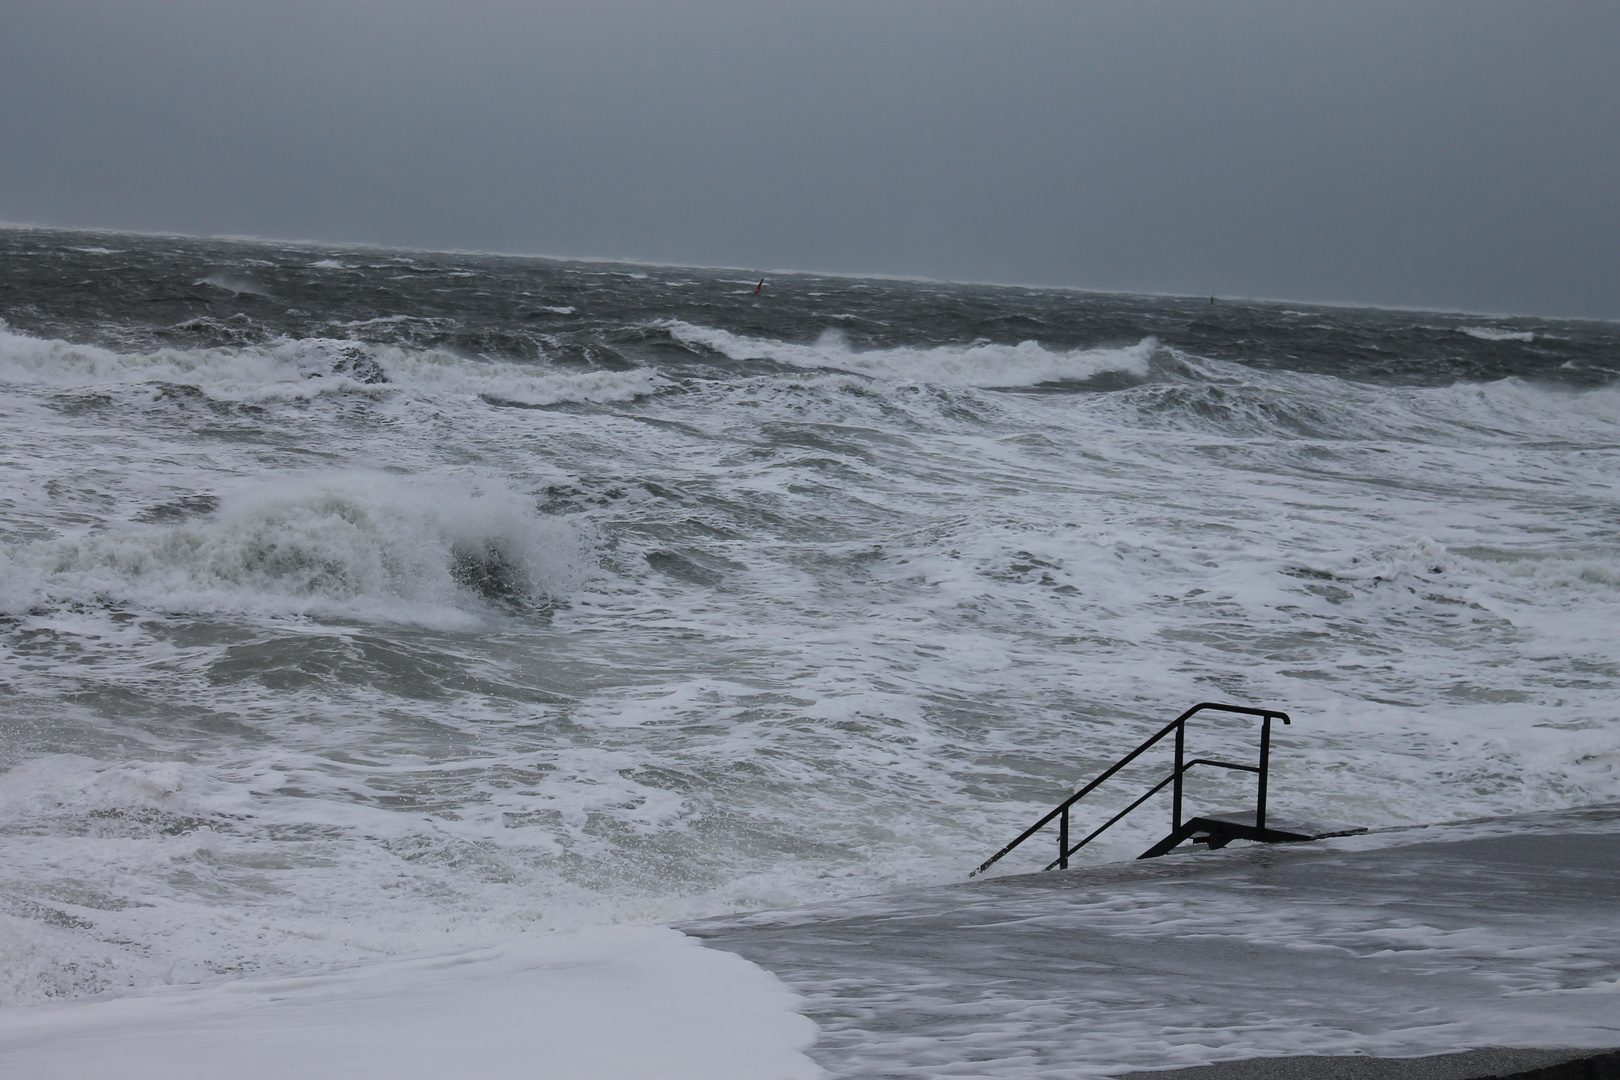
(1179, 726)
(1062, 861)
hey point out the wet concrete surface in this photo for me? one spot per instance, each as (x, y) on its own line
(1382, 955)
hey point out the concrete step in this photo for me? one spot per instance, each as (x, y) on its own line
(1285, 828)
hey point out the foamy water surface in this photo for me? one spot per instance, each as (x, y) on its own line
(434, 618)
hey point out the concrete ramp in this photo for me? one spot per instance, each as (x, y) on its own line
(1396, 945)
(1493, 1064)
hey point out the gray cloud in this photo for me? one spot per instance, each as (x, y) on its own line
(1439, 154)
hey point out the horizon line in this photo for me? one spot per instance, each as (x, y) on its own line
(851, 275)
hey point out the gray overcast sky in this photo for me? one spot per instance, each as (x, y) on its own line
(1442, 154)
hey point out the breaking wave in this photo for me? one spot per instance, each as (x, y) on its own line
(1491, 333)
(981, 364)
(305, 368)
(351, 543)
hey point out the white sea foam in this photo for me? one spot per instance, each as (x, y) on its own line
(324, 542)
(439, 373)
(556, 1005)
(985, 364)
(291, 370)
(827, 631)
(1515, 407)
(1492, 333)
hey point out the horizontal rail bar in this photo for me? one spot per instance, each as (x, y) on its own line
(1243, 709)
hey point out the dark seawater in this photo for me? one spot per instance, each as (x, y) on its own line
(146, 293)
(355, 602)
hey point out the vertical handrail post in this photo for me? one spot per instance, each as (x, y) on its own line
(1175, 799)
(1265, 764)
(1063, 840)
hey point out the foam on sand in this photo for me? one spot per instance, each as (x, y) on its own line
(631, 1002)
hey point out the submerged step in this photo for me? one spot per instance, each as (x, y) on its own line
(1218, 830)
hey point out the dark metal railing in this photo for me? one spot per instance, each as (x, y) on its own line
(1179, 726)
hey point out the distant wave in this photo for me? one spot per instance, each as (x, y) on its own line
(980, 364)
(1490, 333)
(304, 368)
(1229, 398)
(235, 283)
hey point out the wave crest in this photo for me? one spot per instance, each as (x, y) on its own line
(981, 364)
(1493, 333)
(306, 368)
(348, 543)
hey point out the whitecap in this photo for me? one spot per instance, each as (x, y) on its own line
(285, 370)
(982, 364)
(351, 543)
(1491, 333)
(234, 284)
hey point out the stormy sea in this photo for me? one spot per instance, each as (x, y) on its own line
(365, 608)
